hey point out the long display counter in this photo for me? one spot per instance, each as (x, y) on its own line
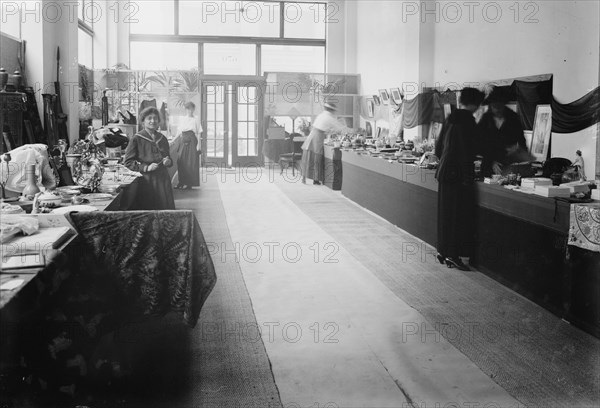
(522, 238)
(333, 167)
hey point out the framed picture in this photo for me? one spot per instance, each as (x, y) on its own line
(385, 98)
(396, 96)
(528, 136)
(377, 100)
(370, 108)
(542, 127)
(447, 110)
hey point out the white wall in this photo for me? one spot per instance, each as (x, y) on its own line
(557, 37)
(44, 29)
(386, 53)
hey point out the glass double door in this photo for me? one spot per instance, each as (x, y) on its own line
(232, 122)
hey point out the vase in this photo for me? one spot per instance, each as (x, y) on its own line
(31, 188)
(17, 79)
(3, 79)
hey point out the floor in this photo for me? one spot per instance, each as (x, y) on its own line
(347, 319)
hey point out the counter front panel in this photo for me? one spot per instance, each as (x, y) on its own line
(521, 239)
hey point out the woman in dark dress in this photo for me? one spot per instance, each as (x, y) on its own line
(148, 153)
(188, 163)
(500, 136)
(455, 175)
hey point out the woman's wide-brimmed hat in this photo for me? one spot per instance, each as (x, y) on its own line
(497, 95)
(330, 105)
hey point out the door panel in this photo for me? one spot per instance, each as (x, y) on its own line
(247, 124)
(215, 115)
(233, 125)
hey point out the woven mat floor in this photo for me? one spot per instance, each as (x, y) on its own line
(227, 367)
(536, 357)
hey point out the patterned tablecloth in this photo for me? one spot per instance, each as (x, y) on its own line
(61, 331)
(158, 260)
(584, 229)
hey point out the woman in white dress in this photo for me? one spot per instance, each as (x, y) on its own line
(188, 162)
(313, 147)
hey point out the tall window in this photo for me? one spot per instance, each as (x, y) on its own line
(146, 55)
(151, 16)
(87, 14)
(229, 18)
(230, 59)
(235, 37)
(292, 58)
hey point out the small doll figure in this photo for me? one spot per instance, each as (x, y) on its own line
(578, 164)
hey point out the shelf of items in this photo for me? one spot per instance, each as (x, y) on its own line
(129, 91)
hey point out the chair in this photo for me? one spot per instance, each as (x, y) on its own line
(290, 159)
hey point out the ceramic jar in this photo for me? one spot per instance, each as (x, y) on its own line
(3, 79)
(31, 188)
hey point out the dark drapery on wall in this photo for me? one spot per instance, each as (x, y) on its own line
(566, 118)
(427, 107)
(528, 96)
(577, 115)
(418, 111)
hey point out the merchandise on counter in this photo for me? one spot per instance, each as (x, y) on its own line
(533, 182)
(596, 194)
(577, 186)
(553, 191)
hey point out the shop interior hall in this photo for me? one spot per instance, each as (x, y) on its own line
(299, 204)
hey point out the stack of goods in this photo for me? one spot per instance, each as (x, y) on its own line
(552, 191)
(533, 182)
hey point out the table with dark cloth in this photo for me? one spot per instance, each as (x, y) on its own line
(123, 267)
(521, 238)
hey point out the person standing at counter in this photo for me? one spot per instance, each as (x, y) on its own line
(148, 153)
(188, 163)
(456, 176)
(500, 136)
(313, 147)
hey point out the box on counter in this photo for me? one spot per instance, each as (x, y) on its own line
(553, 191)
(596, 194)
(577, 186)
(533, 182)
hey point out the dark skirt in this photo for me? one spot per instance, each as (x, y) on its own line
(456, 210)
(188, 164)
(155, 191)
(313, 165)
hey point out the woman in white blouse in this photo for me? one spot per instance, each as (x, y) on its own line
(188, 162)
(313, 147)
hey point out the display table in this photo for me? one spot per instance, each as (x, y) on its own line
(123, 267)
(333, 167)
(522, 238)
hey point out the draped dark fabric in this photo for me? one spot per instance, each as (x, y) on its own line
(566, 118)
(528, 96)
(418, 111)
(577, 115)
